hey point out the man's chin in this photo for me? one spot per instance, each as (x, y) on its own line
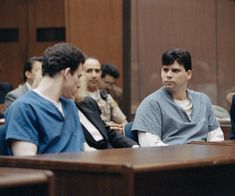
(169, 88)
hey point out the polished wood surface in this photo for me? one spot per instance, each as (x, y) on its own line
(223, 143)
(171, 170)
(15, 181)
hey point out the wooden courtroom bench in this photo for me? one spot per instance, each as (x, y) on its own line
(171, 170)
(22, 182)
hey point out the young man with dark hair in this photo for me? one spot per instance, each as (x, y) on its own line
(31, 73)
(45, 119)
(175, 114)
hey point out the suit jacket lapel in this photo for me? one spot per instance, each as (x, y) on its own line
(94, 117)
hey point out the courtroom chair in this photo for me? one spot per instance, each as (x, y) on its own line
(131, 134)
(3, 144)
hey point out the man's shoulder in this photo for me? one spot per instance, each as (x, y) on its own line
(19, 91)
(197, 94)
(155, 96)
(28, 97)
(68, 103)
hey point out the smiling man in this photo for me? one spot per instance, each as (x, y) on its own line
(175, 114)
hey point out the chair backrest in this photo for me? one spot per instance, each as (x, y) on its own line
(3, 144)
(131, 134)
(5, 87)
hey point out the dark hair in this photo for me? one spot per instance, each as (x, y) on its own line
(29, 65)
(182, 56)
(61, 56)
(109, 69)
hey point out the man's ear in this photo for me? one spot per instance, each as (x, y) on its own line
(67, 73)
(27, 74)
(189, 72)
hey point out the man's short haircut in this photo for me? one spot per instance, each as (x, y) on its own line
(61, 56)
(109, 69)
(29, 65)
(182, 56)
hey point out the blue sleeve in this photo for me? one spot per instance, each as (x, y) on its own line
(21, 123)
(148, 117)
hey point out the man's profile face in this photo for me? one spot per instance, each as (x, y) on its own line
(92, 73)
(72, 82)
(35, 72)
(107, 82)
(175, 77)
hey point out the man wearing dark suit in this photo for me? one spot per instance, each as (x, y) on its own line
(109, 138)
(232, 117)
(31, 74)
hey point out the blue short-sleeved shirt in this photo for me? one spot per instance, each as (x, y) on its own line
(34, 119)
(159, 114)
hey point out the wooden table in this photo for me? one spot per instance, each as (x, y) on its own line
(172, 170)
(21, 182)
(222, 143)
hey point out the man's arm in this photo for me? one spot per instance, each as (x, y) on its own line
(215, 135)
(22, 148)
(88, 148)
(148, 139)
(116, 113)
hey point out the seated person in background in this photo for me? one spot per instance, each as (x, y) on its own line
(109, 75)
(111, 114)
(232, 117)
(45, 119)
(175, 114)
(31, 71)
(221, 114)
(98, 135)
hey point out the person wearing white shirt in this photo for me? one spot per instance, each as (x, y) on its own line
(175, 114)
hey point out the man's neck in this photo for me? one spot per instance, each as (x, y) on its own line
(28, 85)
(180, 95)
(92, 90)
(51, 88)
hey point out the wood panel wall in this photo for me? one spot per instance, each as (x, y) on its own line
(43, 14)
(96, 28)
(27, 16)
(13, 54)
(205, 28)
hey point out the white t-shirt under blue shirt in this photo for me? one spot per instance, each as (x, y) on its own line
(158, 114)
(37, 120)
